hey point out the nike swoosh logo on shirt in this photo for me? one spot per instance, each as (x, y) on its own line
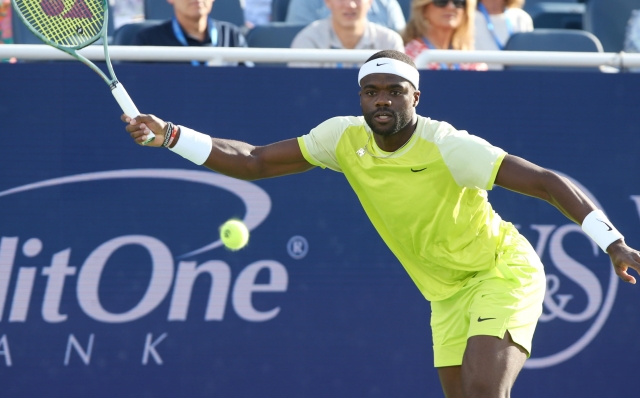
(415, 171)
(484, 319)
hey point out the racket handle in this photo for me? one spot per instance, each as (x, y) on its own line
(127, 105)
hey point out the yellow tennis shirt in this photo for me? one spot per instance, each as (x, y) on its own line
(428, 200)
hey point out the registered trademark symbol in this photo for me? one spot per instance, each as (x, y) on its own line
(297, 247)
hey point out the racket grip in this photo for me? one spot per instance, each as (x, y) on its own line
(127, 105)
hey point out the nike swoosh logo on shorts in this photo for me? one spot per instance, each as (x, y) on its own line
(415, 171)
(484, 319)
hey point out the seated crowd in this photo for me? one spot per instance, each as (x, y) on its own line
(349, 24)
(356, 24)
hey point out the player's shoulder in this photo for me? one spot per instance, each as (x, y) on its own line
(339, 124)
(434, 130)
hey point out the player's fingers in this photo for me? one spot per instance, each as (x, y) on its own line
(635, 265)
(125, 118)
(142, 119)
(131, 128)
(140, 137)
(138, 134)
(621, 271)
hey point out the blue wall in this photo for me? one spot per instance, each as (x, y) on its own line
(345, 319)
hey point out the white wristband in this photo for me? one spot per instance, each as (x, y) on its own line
(600, 229)
(193, 146)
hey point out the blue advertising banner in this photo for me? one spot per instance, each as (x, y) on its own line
(113, 281)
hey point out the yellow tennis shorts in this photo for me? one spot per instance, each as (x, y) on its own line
(507, 297)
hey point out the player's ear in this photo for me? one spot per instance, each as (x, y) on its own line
(416, 98)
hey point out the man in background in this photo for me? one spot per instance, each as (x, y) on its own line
(346, 27)
(192, 26)
(383, 12)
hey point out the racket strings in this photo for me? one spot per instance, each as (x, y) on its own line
(66, 23)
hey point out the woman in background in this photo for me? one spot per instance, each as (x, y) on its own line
(496, 21)
(442, 25)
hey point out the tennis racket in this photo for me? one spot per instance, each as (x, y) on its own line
(71, 25)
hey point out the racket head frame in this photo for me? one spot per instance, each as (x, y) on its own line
(73, 50)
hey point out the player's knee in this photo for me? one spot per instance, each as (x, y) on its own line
(480, 384)
(479, 388)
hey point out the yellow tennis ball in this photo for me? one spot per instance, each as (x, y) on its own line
(234, 234)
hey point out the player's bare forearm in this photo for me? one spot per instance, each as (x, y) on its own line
(519, 175)
(244, 161)
(233, 158)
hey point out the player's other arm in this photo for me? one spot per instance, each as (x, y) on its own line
(519, 175)
(233, 158)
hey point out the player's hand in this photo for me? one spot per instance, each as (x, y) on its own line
(140, 126)
(623, 257)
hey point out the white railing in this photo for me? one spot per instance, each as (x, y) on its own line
(281, 55)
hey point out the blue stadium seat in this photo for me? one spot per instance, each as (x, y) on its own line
(157, 9)
(553, 40)
(273, 35)
(406, 8)
(22, 35)
(279, 10)
(555, 14)
(123, 36)
(223, 10)
(607, 19)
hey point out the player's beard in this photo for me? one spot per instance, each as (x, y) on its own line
(401, 120)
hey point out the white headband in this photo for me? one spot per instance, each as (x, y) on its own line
(392, 66)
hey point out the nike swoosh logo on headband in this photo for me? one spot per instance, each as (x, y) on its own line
(381, 64)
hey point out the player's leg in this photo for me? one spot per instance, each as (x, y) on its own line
(449, 327)
(490, 366)
(489, 369)
(451, 381)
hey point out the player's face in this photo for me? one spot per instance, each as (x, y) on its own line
(388, 102)
(192, 9)
(346, 13)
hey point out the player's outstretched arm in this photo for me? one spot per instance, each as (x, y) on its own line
(519, 175)
(233, 158)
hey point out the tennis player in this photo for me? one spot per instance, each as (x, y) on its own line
(424, 185)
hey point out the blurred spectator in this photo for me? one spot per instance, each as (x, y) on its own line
(632, 36)
(496, 21)
(126, 11)
(442, 25)
(383, 12)
(191, 26)
(5, 26)
(257, 12)
(346, 27)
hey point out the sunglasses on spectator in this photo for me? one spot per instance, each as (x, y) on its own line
(444, 3)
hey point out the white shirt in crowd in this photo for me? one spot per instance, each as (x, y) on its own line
(519, 20)
(320, 34)
(257, 12)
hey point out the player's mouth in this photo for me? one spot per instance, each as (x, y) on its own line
(382, 116)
